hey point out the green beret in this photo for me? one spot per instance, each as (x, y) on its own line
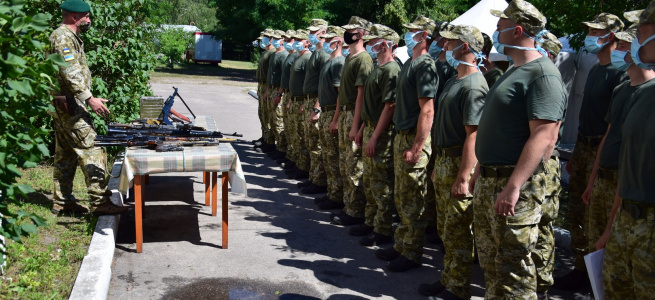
(77, 6)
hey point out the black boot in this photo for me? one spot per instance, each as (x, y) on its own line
(402, 264)
(314, 189)
(346, 220)
(388, 254)
(330, 204)
(360, 230)
(431, 289)
(375, 239)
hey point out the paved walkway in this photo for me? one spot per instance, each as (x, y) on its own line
(281, 245)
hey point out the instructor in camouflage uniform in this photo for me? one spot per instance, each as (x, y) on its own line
(74, 128)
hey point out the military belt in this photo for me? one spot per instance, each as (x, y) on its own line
(311, 96)
(407, 131)
(637, 210)
(297, 98)
(591, 141)
(607, 173)
(347, 107)
(329, 107)
(504, 171)
(449, 152)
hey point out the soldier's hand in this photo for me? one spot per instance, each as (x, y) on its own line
(602, 242)
(314, 117)
(411, 156)
(586, 196)
(352, 134)
(506, 201)
(460, 189)
(277, 99)
(370, 146)
(334, 127)
(98, 106)
(359, 138)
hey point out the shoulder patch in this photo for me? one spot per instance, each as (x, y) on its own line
(66, 50)
(69, 57)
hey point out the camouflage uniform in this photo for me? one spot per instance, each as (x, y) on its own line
(291, 131)
(302, 118)
(75, 133)
(544, 253)
(330, 147)
(278, 130)
(410, 185)
(379, 180)
(351, 167)
(313, 143)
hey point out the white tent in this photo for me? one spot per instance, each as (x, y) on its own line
(480, 17)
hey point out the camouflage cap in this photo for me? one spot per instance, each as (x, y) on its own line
(301, 34)
(524, 14)
(605, 21)
(259, 38)
(358, 23)
(333, 31)
(317, 24)
(488, 43)
(551, 44)
(268, 32)
(379, 31)
(629, 34)
(290, 34)
(277, 34)
(642, 16)
(467, 34)
(422, 23)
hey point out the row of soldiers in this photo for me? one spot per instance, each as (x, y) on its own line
(447, 141)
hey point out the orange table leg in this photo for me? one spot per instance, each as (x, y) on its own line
(214, 192)
(224, 209)
(138, 211)
(205, 176)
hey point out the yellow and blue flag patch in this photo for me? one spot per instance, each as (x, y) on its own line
(68, 56)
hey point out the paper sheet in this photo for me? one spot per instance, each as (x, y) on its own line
(594, 262)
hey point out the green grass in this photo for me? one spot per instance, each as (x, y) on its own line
(45, 265)
(228, 72)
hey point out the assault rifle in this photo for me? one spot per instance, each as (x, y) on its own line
(185, 130)
(167, 110)
(159, 143)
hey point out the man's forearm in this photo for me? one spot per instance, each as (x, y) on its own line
(468, 156)
(424, 125)
(357, 118)
(385, 119)
(532, 155)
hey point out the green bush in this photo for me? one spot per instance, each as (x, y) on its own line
(173, 43)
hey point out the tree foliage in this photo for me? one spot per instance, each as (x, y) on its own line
(182, 12)
(173, 43)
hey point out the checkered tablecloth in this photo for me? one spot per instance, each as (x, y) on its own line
(221, 158)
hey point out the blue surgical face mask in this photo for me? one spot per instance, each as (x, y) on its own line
(288, 46)
(261, 45)
(409, 52)
(409, 39)
(434, 49)
(455, 62)
(345, 52)
(313, 39)
(298, 46)
(543, 52)
(501, 47)
(634, 52)
(591, 43)
(276, 43)
(618, 60)
(312, 48)
(326, 47)
(265, 41)
(373, 54)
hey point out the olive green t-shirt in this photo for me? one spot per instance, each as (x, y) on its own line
(619, 108)
(493, 75)
(380, 88)
(533, 91)
(297, 78)
(417, 79)
(598, 90)
(445, 71)
(355, 71)
(460, 104)
(286, 69)
(314, 66)
(636, 160)
(275, 68)
(262, 67)
(330, 80)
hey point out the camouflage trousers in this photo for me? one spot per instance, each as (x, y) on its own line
(544, 252)
(351, 167)
(74, 137)
(277, 124)
(270, 116)
(291, 131)
(283, 142)
(378, 178)
(303, 161)
(410, 188)
(600, 207)
(582, 162)
(431, 209)
(457, 232)
(260, 107)
(313, 143)
(330, 144)
(630, 257)
(505, 244)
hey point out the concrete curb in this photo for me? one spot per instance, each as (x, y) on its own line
(93, 278)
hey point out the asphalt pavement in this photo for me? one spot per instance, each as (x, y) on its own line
(281, 246)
